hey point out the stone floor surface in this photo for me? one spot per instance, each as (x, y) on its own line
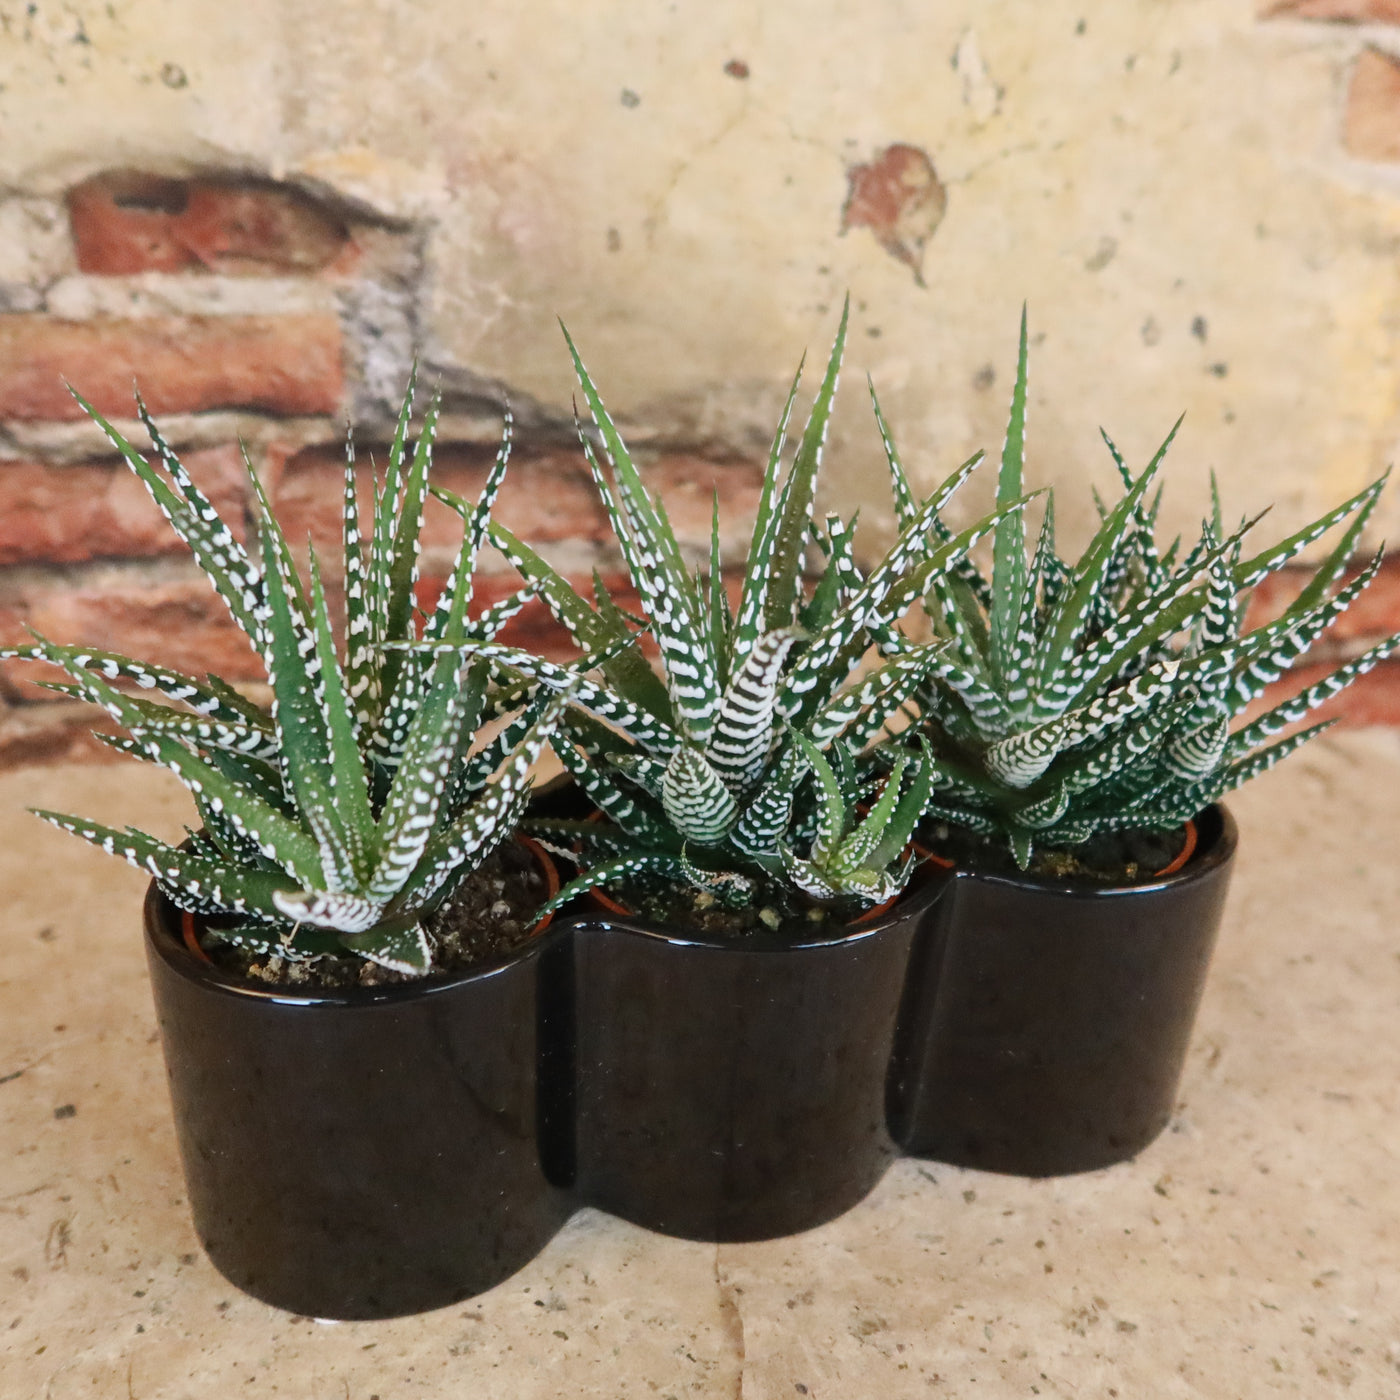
(1254, 1250)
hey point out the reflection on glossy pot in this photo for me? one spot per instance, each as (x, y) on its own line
(360, 1153)
(1048, 1022)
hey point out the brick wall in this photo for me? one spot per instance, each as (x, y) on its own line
(1366, 33)
(254, 312)
(257, 312)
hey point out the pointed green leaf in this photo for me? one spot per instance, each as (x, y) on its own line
(831, 802)
(188, 880)
(1067, 623)
(1261, 565)
(799, 496)
(695, 799)
(904, 505)
(347, 779)
(658, 572)
(362, 676)
(420, 782)
(855, 851)
(1009, 549)
(753, 600)
(224, 561)
(450, 615)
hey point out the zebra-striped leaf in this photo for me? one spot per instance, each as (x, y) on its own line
(794, 513)
(1009, 554)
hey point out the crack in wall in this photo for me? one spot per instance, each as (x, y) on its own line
(657, 215)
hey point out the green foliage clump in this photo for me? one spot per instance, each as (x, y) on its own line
(699, 770)
(337, 822)
(1074, 699)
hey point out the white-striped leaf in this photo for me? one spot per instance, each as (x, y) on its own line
(743, 734)
(695, 799)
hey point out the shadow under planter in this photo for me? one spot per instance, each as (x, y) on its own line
(1047, 1022)
(363, 1153)
(735, 1092)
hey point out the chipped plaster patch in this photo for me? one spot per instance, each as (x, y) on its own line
(980, 94)
(900, 199)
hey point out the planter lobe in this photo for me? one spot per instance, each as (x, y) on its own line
(1048, 1022)
(363, 1153)
(735, 1091)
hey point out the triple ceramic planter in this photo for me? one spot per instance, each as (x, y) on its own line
(375, 1152)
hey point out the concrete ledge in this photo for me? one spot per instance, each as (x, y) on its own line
(1249, 1252)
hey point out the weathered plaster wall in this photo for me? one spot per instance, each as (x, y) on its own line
(1199, 200)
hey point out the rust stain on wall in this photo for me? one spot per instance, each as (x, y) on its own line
(900, 199)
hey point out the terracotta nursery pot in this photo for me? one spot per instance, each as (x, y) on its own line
(358, 1153)
(1048, 1021)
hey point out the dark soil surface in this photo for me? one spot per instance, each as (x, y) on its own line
(488, 917)
(779, 910)
(1117, 858)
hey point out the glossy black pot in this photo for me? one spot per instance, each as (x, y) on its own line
(734, 1091)
(362, 1153)
(1048, 1022)
(382, 1151)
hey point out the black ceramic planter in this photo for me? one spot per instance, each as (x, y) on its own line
(734, 1092)
(375, 1152)
(362, 1153)
(1048, 1022)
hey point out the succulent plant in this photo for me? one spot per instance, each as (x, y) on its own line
(1094, 697)
(854, 855)
(697, 772)
(338, 821)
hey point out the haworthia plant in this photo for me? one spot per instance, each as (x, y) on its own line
(697, 769)
(1077, 699)
(337, 822)
(859, 856)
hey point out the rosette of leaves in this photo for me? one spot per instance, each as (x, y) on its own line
(1076, 699)
(336, 823)
(858, 853)
(696, 769)
(845, 844)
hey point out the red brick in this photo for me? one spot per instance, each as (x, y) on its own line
(66, 515)
(1371, 127)
(128, 221)
(687, 484)
(534, 626)
(278, 364)
(1343, 11)
(179, 623)
(1376, 613)
(1374, 699)
(36, 735)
